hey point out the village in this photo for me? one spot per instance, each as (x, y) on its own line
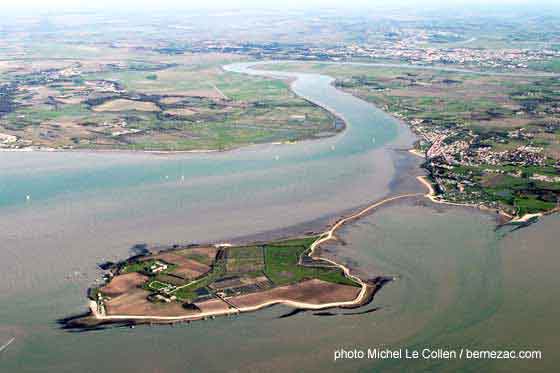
(408, 49)
(488, 140)
(458, 168)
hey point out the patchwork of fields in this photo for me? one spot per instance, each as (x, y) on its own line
(130, 99)
(189, 279)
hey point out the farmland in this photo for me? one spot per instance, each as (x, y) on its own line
(134, 100)
(263, 271)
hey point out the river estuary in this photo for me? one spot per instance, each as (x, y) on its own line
(461, 283)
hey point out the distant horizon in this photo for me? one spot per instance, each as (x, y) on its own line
(137, 6)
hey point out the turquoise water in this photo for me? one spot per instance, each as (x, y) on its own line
(87, 207)
(371, 129)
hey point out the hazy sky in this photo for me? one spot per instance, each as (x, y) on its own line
(229, 4)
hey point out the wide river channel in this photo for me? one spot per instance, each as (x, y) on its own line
(462, 284)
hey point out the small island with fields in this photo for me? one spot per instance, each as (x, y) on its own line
(203, 281)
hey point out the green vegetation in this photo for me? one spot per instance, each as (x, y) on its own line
(278, 261)
(188, 293)
(499, 113)
(156, 285)
(245, 259)
(282, 264)
(137, 266)
(528, 205)
(552, 65)
(37, 115)
(173, 104)
(93, 293)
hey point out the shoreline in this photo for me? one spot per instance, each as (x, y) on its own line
(364, 297)
(361, 299)
(433, 197)
(366, 294)
(335, 132)
(526, 218)
(320, 227)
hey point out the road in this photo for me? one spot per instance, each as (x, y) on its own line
(326, 236)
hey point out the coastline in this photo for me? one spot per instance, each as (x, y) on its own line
(367, 290)
(337, 119)
(325, 227)
(513, 219)
(435, 198)
(364, 297)
(366, 294)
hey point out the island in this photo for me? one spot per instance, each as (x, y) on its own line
(203, 281)
(493, 150)
(197, 282)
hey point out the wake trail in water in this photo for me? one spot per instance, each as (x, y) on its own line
(5, 345)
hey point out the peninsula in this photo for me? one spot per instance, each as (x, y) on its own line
(200, 281)
(203, 281)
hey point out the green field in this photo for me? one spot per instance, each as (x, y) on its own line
(245, 259)
(138, 266)
(196, 105)
(282, 266)
(188, 293)
(278, 261)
